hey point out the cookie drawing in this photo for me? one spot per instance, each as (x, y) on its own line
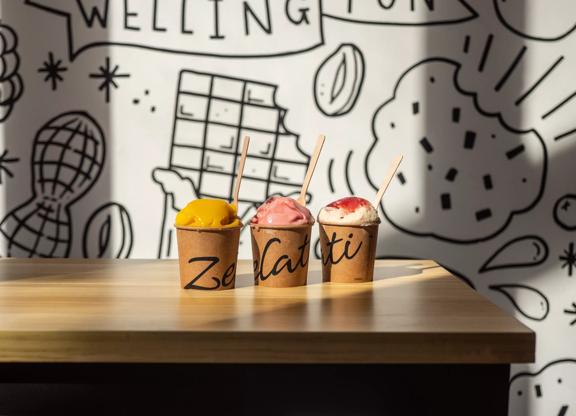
(461, 163)
(549, 391)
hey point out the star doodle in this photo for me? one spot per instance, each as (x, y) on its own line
(108, 76)
(5, 160)
(569, 259)
(53, 69)
(571, 312)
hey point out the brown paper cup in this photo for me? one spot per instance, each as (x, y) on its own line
(348, 252)
(281, 254)
(207, 257)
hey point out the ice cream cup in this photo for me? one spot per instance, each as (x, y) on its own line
(207, 257)
(281, 254)
(348, 252)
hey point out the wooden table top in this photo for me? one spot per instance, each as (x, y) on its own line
(134, 311)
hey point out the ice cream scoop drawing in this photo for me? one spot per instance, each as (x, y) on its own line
(67, 159)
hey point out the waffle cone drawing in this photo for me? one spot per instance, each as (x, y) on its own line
(281, 254)
(348, 252)
(207, 257)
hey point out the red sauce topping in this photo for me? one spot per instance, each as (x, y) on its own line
(349, 204)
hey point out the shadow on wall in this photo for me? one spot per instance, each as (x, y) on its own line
(64, 170)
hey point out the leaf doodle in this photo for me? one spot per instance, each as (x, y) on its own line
(530, 302)
(525, 251)
(108, 233)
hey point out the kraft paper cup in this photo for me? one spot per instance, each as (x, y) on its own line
(207, 257)
(348, 252)
(281, 254)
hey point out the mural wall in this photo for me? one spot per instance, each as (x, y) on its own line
(114, 114)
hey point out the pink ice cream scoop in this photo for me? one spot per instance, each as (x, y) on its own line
(281, 210)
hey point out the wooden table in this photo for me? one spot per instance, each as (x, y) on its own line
(424, 333)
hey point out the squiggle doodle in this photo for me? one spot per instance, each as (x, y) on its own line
(445, 188)
(67, 159)
(525, 251)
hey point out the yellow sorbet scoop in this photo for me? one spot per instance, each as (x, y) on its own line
(208, 213)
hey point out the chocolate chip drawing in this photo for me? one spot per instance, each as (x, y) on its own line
(11, 86)
(53, 70)
(527, 251)
(528, 301)
(67, 159)
(449, 158)
(108, 233)
(338, 81)
(213, 112)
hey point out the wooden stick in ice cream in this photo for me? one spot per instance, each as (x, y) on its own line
(240, 170)
(391, 172)
(311, 167)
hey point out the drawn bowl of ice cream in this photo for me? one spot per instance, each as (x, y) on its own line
(208, 235)
(280, 232)
(348, 239)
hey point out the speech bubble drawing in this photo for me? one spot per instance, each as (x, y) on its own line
(246, 29)
(399, 12)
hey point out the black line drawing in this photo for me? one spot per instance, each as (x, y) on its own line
(11, 85)
(559, 105)
(565, 212)
(466, 222)
(568, 259)
(108, 233)
(213, 113)
(528, 301)
(555, 18)
(264, 29)
(53, 70)
(565, 134)
(548, 391)
(539, 81)
(5, 160)
(338, 81)
(571, 311)
(330, 179)
(67, 159)
(108, 75)
(347, 173)
(399, 13)
(527, 251)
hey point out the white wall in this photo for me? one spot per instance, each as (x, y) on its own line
(489, 85)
